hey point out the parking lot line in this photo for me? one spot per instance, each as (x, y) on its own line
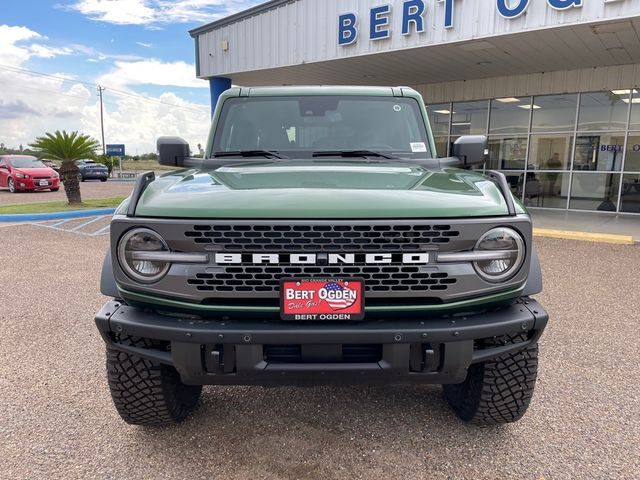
(102, 231)
(82, 225)
(60, 222)
(78, 229)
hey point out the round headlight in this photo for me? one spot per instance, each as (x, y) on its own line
(131, 249)
(509, 246)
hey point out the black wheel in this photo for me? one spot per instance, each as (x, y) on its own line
(55, 189)
(146, 392)
(103, 179)
(497, 391)
(12, 186)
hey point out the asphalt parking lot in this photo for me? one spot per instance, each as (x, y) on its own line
(89, 189)
(57, 419)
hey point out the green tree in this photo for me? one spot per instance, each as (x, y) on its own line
(106, 161)
(67, 147)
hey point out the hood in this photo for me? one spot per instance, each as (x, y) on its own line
(36, 172)
(321, 190)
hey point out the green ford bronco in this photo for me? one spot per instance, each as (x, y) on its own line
(320, 241)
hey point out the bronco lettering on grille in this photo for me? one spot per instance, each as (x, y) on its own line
(322, 259)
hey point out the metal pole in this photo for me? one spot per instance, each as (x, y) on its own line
(104, 147)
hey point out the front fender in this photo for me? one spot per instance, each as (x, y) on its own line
(108, 285)
(534, 280)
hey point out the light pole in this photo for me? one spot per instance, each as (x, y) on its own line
(104, 147)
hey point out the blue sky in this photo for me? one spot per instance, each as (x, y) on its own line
(136, 46)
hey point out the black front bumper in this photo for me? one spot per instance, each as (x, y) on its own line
(250, 352)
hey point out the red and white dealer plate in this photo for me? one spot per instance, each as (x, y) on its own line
(316, 299)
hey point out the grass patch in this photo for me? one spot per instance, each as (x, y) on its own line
(63, 206)
(140, 165)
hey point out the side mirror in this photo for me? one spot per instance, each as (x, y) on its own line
(471, 150)
(172, 151)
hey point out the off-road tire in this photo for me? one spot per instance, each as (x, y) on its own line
(496, 391)
(146, 392)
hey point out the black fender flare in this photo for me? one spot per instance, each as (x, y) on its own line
(534, 280)
(108, 286)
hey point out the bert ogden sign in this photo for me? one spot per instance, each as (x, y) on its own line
(413, 17)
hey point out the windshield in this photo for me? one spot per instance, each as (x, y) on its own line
(26, 162)
(311, 124)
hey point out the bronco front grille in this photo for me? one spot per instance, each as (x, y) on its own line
(239, 273)
(327, 238)
(266, 279)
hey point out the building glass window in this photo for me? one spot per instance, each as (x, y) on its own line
(595, 191)
(554, 113)
(469, 118)
(510, 115)
(439, 116)
(507, 153)
(452, 140)
(557, 151)
(550, 152)
(634, 123)
(632, 163)
(546, 190)
(630, 197)
(603, 110)
(599, 152)
(442, 145)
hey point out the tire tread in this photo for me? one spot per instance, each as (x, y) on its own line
(500, 390)
(145, 392)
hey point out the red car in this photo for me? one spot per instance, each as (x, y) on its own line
(24, 172)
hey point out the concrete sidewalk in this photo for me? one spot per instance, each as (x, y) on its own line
(599, 223)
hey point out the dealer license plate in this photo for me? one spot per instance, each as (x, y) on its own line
(43, 183)
(322, 299)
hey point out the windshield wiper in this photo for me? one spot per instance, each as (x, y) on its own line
(353, 154)
(250, 154)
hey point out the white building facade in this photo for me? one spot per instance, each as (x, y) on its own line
(555, 84)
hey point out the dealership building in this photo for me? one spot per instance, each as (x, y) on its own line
(554, 84)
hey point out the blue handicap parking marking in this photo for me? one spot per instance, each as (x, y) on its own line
(90, 226)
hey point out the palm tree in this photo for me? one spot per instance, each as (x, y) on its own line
(67, 147)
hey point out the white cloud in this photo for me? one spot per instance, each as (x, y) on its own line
(97, 55)
(31, 106)
(145, 45)
(120, 12)
(10, 37)
(138, 123)
(38, 50)
(17, 46)
(148, 12)
(152, 72)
